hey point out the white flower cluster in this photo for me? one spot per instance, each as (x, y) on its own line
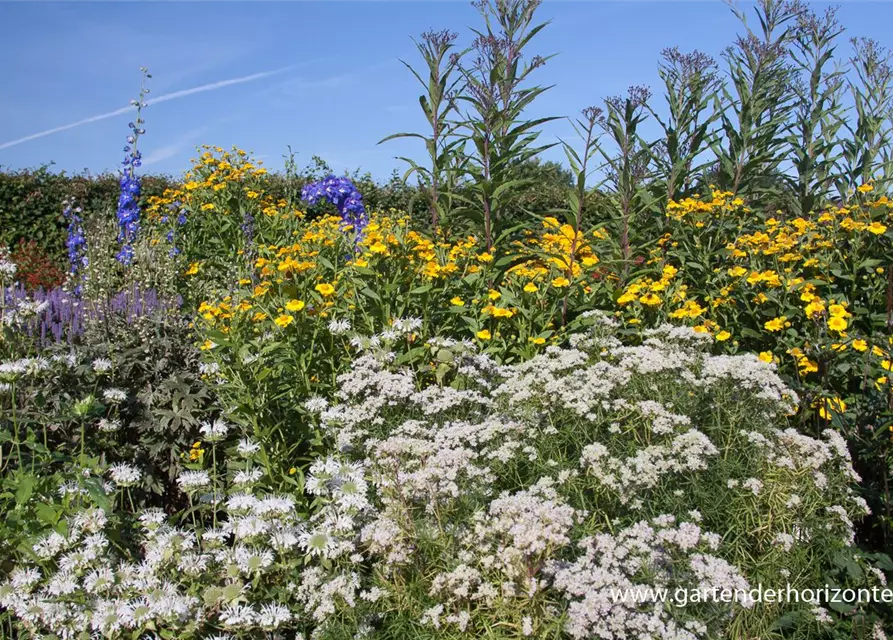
(8, 268)
(514, 497)
(640, 559)
(501, 472)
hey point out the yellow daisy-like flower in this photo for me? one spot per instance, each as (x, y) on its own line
(284, 320)
(865, 188)
(560, 281)
(325, 289)
(483, 334)
(494, 295)
(193, 269)
(537, 340)
(485, 257)
(295, 305)
(830, 406)
(877, 228)
(766, 356)
(457, 301)
(814, 308)
(207, 345)
(838, 310)
(378, 247)
(531, 288)
(722, 336)
(837, 323)
(650, 299)
(860, 345)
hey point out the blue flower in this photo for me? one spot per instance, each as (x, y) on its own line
(342, 193)
(128, 212)
(76, 243)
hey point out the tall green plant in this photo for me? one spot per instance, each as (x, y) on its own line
(437, 180)
(813, 143)
(628, 165)
(691, 84)
(756, 103)
(500, 137)
(866, 151)
(580, 163)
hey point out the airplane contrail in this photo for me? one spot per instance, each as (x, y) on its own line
(168, 96)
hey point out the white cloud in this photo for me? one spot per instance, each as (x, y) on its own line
(129, 109)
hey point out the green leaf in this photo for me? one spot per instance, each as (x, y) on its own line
(25, 488)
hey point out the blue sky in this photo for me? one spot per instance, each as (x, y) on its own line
(323, 77)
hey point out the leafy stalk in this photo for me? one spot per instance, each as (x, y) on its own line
(437, 104)
(501, 139)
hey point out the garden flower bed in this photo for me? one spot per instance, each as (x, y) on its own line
(626, 405)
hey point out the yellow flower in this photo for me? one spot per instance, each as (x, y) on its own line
(485, 257)
(530, 288)
(537, 340)
(294, 305)
(378, 247)
(865, 188)
(829, 405)
(807, 366)
(325, 289)
(838, 310)
(484, 334)
(814, 308)
(494, 295)
(284, 320)
(292, 471)
(244, 281)
(877, 228)
(193, 269)
(766, 356)
(837, 323)
(457, 301)
(560, 281)
(860, 345)
(207, 207)
(360, 262)
(776, 324)
(501, 313)
(722, 336)
(737, 272)
(650, 299)
(207, 345)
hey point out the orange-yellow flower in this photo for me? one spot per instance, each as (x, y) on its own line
(325, 289)
(284, 320)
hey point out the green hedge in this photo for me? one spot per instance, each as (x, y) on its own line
(31, 203)
(31, 199)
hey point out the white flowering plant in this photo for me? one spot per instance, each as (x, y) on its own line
(481, 500)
